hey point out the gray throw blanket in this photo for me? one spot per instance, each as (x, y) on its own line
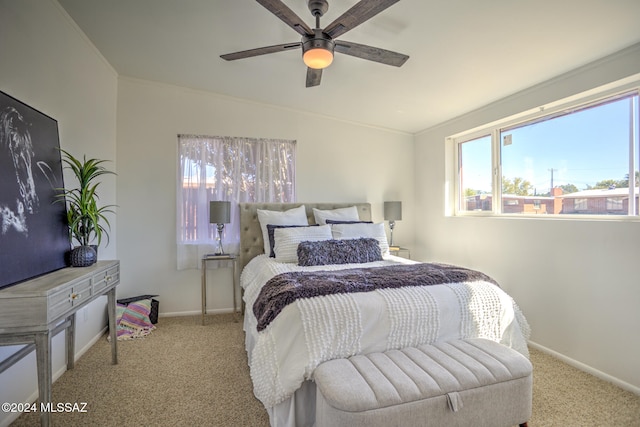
(286, 288)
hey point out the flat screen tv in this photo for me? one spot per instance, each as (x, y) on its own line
(34, 237)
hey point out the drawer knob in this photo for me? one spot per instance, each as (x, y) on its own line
(74, 296)
(108, 278)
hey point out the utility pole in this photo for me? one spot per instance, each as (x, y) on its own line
(551, 188)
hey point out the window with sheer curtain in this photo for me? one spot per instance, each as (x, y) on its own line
(229, 169)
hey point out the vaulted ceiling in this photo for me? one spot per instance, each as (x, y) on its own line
(463, 53)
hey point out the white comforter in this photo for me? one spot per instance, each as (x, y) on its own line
(311, 331)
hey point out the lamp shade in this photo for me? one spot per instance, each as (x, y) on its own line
(219, 212)
(318, 58)
(392, 211)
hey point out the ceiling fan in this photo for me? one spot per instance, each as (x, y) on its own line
(318, 45)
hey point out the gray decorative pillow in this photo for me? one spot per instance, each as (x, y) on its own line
(348, 251)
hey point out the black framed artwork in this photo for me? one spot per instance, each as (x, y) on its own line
(34, 236)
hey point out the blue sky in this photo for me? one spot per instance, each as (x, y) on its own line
(582, 148)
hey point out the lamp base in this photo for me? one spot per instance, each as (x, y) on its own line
(392, 225)
(220, 249)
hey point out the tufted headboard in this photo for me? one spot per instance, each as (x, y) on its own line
(251, 243)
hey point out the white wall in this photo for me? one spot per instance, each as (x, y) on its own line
(48, 64)
(336, 162)
(576, 280)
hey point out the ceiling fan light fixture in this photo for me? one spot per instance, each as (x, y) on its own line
(317, 51)
(318, 58)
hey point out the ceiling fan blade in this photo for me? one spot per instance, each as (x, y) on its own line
(371, 53)
(313, 77)
(360, 12)
(260, 51)
(287, 15)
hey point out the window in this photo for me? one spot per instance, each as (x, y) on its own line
(475, 173)
(580, 204)
(615, 203)
(574, 160)
(229, 169)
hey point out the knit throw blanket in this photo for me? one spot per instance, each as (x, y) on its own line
(286, 288)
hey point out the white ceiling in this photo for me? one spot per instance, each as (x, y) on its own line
(463, 53)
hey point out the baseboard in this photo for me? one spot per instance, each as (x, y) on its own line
(195, 313)
(586, 368)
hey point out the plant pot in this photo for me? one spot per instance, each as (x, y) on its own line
(83, 256)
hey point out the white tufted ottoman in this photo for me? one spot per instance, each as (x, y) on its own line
(458, 383)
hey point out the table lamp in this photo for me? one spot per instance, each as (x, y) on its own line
(392, 213)
(220, 213)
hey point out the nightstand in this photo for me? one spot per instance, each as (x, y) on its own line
(222, 257)
(400, 251)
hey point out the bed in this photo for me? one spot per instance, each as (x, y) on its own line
(286, 341)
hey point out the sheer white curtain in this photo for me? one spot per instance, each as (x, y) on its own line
(229, 169)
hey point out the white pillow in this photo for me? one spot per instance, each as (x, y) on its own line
(288, 239)
(340, 214)
(356, 231)
(295, 216)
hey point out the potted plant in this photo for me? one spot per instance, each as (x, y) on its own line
(86, 220)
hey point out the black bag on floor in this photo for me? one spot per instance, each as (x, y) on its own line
(153, 315)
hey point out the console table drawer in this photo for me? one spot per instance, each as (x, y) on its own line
(106, 279)
(67, 298)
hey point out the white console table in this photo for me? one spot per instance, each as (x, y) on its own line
(32, 312)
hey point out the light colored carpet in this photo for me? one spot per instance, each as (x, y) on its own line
(186, 374)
